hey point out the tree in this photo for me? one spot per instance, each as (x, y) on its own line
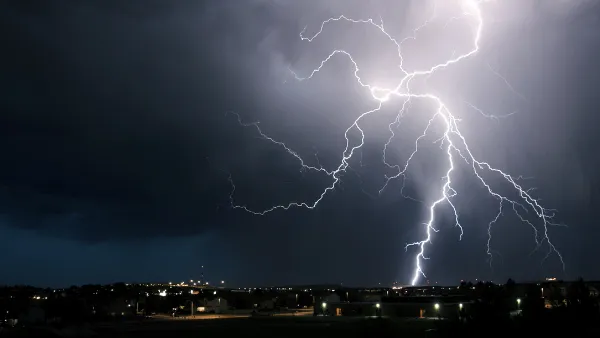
(555, 296)
(579, 301)
(510, 288)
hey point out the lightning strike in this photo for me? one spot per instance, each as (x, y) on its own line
(512, 89)
(451, 141)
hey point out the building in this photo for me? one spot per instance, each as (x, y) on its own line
(370, 297)
(119, 307)
(423, 306)
(416, 307)
(362, 309)
(327, 298)
(215, 305)
(267, 305)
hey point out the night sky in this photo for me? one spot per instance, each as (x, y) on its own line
(117, 144)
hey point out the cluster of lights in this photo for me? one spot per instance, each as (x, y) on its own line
(191, 284)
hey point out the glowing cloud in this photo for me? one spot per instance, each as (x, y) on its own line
(452, 141)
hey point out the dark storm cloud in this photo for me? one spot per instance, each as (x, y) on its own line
(108, 115)
(113, 112)
(113, 127)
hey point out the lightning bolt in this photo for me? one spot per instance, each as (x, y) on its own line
(452, 141)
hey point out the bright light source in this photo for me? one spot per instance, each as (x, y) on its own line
(378, 305)
(436, 306)
(324, 305)
(163, 293)
(214, 292)
(222, 282)
(460, 306)
(452, 137)
(380, 94)
(518, 300)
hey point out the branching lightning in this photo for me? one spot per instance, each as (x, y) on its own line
(452, 141)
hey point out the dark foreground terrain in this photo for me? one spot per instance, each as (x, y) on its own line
(304, 327)
(276, 327)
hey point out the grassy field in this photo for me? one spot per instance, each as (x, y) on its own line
(306, 327)
(279, 327)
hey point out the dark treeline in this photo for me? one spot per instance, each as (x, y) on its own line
(550, 311)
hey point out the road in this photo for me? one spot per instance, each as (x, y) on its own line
(230, 316)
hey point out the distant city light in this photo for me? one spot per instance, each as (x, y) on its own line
(518, 300)
(460, 306)
(324, 305)
(436, 306)
(378, 305)
(222, 282)
(163, 293)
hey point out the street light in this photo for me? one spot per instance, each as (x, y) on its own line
(460, 306)
(378, 305)
(518, 303)
(436, 306)
(324, 305)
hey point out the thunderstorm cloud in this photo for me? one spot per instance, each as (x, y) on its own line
(116, 128)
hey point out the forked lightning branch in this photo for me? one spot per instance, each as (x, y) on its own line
(455, 146)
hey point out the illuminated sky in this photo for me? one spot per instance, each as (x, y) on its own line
(117, 147)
